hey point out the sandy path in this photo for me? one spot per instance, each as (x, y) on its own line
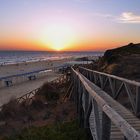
(18, 90)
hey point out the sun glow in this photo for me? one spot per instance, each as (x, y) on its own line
(58, 36)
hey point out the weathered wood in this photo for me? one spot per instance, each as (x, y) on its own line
(68, 92)
(86, 109)
(99, 96)
(130, 95)
(96, 120)
(118, 91)
(101, 81)
(80, 110)
(114, 77)
(88, 112)
(106, 127)
(137, 101)
(112, 82)
(112, 87)
(104, 85)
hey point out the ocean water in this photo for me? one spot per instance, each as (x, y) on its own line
(12, 57)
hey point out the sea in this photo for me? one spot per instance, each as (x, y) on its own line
(13, 57)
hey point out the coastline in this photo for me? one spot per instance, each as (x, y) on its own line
(26, 67)
(31, 66)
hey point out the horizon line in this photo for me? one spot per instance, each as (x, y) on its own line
(49, 51)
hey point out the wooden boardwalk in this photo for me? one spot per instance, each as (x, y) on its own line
(100, 112)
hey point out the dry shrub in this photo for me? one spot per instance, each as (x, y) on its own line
(113, 68)
(37, 104)
(50, 92)
(16, 111)
(10, 109)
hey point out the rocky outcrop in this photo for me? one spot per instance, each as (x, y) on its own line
(123, 61)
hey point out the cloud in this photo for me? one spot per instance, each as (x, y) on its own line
(125, 17)
(102, 15)
(129, 17)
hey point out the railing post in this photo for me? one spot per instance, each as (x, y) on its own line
(86, 105)
(72, 79)
(78, 94)
(137, 101)
(106, 127)
(97, 123)
(88, 113)
(80, 107)
(81, 116)
(101, 81)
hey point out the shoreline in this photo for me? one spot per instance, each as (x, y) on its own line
(12, 60)
(31, 61)
(30, 66)
(27, 67)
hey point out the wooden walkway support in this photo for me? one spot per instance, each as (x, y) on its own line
(29, 96)
(101, 114)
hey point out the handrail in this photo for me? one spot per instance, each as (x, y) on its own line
(129, 132)
(115, 85)
(115, 77)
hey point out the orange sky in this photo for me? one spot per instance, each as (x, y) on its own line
(35, 45)
(68, 25)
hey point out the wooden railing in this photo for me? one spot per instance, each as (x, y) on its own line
(97, 110)
(116, 87)
(61, 80)
(29, 96)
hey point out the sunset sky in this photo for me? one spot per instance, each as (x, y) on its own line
(68, 25)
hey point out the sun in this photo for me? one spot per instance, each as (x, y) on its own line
(58, 36)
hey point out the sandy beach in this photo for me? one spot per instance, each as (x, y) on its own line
(16, 91)
(25, 67)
